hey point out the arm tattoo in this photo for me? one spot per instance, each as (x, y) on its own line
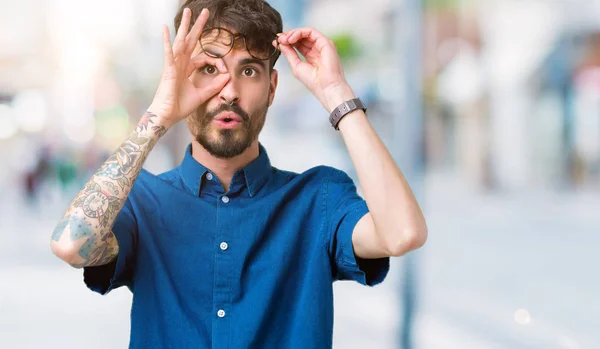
(79, 228)
(94, 210)
(96, 252)
(97, 203)
(60, 227)
(147, 119)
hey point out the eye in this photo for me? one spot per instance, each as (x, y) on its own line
(250, 72)
(209, 69)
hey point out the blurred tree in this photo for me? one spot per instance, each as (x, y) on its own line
(444, 4)
(346, 45)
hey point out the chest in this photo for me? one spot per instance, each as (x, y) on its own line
(242, 237)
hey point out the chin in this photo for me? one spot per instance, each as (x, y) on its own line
(224, 144)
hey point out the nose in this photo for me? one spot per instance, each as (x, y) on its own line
(229, 94)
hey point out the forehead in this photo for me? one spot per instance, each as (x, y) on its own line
(220, 33)
(221, 39)
(225, 41)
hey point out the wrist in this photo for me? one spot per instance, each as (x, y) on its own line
(153, 124)
(336, 95)
(163, 115)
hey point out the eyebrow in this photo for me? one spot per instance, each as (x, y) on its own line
(245, 61)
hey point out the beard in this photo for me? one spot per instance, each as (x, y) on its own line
(228, 143)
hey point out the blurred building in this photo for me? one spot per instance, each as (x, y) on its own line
(496, 111)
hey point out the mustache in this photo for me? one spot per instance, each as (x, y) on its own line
(228, 107)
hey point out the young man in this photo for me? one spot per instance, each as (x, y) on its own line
(226, 251)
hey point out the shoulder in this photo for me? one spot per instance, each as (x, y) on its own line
(326, 173)
(172, 177)
(148, 183)
(147, 178)
(318, 176)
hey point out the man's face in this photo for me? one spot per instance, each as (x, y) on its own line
(228, 123)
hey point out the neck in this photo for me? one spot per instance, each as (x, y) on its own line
(224, 168)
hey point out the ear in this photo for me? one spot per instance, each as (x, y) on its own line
(273, 85)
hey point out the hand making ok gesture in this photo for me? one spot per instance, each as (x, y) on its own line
(176, 96)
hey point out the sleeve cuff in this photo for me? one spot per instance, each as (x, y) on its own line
(102, 279)
(369, 272)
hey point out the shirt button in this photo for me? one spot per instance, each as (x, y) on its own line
(209, 176)
(224, 246)
(221, 313)
(225, 199)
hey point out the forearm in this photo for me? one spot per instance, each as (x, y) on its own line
(396, 214)
(83, 237)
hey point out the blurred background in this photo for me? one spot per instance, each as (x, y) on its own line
(490, 107)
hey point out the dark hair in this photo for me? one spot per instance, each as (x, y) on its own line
(255, 19)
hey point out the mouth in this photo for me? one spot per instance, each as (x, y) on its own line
(228, 120)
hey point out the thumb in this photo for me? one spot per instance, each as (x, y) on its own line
(206, 92)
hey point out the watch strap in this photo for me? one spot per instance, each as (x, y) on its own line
(344, 109)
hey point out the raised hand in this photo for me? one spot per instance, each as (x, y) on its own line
(322, 71)
(176, 96)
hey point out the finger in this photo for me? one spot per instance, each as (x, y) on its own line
(194, 34)
(290, 55)
(167, 46)
(202, 59)
(298, 34)
(221, 65)
(183, 28)
(294, 35)
(302, 48)
(216, 85)
(282, 37)
(307, 43)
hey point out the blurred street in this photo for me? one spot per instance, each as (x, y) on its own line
(486, 258)
(491, 109)
(510, 271)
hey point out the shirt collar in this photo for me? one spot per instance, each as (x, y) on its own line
(255, 174)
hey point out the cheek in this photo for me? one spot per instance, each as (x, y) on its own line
(257, 94)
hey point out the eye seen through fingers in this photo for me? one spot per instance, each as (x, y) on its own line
(209, 69)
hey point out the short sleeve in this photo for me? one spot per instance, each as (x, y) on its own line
(104, 278)
(344, 208)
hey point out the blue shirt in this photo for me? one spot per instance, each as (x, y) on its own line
(252, 267)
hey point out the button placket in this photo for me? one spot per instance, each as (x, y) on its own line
(223, 265)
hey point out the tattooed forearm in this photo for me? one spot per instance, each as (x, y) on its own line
(150, 118)
(97, 203)
(78, 228)
(91, 215)
(111, 187)
(98, 250)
